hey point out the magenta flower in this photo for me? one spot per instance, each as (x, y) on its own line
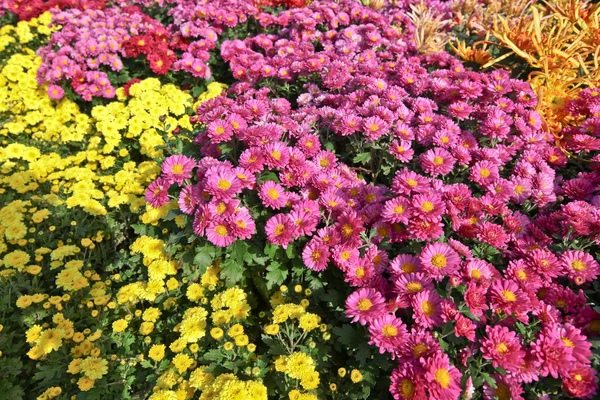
(272, 195)
(178, 168)
(502, 347)
(220, 234)
(439, 260)
(387, 332)
(316, 255)
(365, 305)
(443, 379)
(427, 309)
(157, 193)
(280, 229)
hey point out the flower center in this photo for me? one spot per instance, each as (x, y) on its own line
(521, 275)
(412, 182)
(568, 342)
(273, 193)
(578, 265)
(360, 272)
(316, 255)
(437, 160)
(427, 206)
(407, 388)
(276, 154)
(324, 162)
(419, 349)
(279, 229)
(476, 274)
(221, 207)
(364, 304)
(223, 184)
(414, 287)
(442, 377)
(347, 230)
(408, 268)
(484, 173)
(220, 130)
(501, 348)
(428, 308)
(439, 261)
(177, 169)
(509, 296)
(221, 230)
(389, 331)
(345, 255)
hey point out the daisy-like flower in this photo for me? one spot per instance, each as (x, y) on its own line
(437, 161)
(316, 255)
(503, 347)
(272, 195)
(219, 131)
(359, 273)
(55, 92)
(349, 225)
(507, 387)
(405, 264)
(572, 338)
(410, 284)
(477, 269)
(242, 224)
(252, 160)
(374, 128)
(553, 356)
(428, 206)
(484, 173)
(407, 383)
(222, 182)
(396, 210)
(220, 234)
(443, 379)
(178, 168)
(387, 332)
(581, 382)
(579, 266)
(344, 255)
(506, 295)
(188, 199)
(439, 260)
(280, 229)
(427, 309)
(544, 262)
(157, 193)
(365, 305)
(402, 150)
(407, 182)
(277, 155)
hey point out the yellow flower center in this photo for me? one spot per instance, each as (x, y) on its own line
(567, 342)
(578, 377)
(442, 377)
(407, 388)
(501, 348)
(241, 223)
(437, 160)
(360, 272)
(221, 207)
(419, 349)
(374, 127)
(427, 206)
(412, 182)
(324, 162)
(476, 274)
(221, 230)
(279, 229)
(578, 265)
(399, 210)
(521, 275)
(428, 308)
(364, 304)
(276, 155)
(316, 255)
(177, 169)
(414, 287)
(273, 193)
(347, 230)
(389, 331)
(509, 296)
(223, 184)
(345, 255)
(484, 173)
(439, 261)
(408, 268)
(220, 130)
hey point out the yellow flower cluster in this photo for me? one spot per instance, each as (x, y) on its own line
(24, 32)
(299, 366)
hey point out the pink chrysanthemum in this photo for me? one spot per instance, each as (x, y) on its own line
(220, 234)
(506, 296)
(280, 229)
(409, 285)
(580, 266)
(252, 160)
(178, 168)
(222, 182)
(443, 379)
(55, 92)
(407, 383)
(553, 356)
(484, 172)
(502, 347)
(405, 264)
(437, 161)
(219, 131)
(349, 225)
(387, 332)
(188, 199)
(272, 195)
(315, 255)
(581, 382)
(344, 256)
(402, 150)
(439, 260)
(242, 224)
(277, 155)
(506, 388)
(157, 193)
(573, 339)
(427, 309)
(428, 206)
(397, 210)
(365, 305)
(477, 269)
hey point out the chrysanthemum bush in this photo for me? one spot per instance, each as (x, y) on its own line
(343, 217)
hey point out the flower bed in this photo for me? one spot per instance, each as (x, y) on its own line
(246, 200)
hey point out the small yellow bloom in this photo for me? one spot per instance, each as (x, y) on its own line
(356, 376)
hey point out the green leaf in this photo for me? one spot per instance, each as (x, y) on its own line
(214, 355)
(232, 271)
(346, 334)
(362, 158)
(276, 274)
